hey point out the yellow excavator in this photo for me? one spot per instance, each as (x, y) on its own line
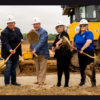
(78, 12)
(0, 41)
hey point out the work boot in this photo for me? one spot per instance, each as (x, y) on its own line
(93, 84)
(82, 83)
(58, 84)
(15, 83)
(66, 86)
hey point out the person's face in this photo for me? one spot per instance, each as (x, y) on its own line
(83, 27)
(37, 26)
(60, 29)
(11, 25)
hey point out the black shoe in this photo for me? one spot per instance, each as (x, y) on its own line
(58, 85)
(66, 86)
(93, 84)
(16, 84)
(82, 83)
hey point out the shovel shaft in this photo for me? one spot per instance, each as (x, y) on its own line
(59, 46)
(35, 54)
(87, 54)
(11, 53)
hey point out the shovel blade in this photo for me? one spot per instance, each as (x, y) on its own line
(2, 62)
(38, 58)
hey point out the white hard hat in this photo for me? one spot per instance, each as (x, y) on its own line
(10, 18)
(59, 23)
(36, 20)
(83, 21)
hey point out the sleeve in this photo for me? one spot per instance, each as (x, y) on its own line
(21, 36)
(54, 44)
(42, 40)
(74, 38)
(90, 36)
(66, 34)
(30, 46)
(5, 41)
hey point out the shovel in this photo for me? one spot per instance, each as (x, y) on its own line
(3, 62)
(38, 57)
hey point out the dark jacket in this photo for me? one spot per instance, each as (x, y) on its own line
(10, 41)
(63, 52)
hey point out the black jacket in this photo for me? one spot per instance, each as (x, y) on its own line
(63, 52)
(10, 41)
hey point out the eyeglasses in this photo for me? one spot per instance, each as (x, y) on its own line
(82, 25)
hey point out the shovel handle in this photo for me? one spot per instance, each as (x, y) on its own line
(87, 54)
(11, 53)
(35, 54)
(59, 46)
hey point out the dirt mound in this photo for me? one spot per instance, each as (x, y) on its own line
(27, 67)
(48, 90)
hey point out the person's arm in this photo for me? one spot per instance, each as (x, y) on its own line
(43, 39)
(88, 42)
(54, 45)
(5, 41)
(89, 39)
(60, 41)
(73, 43)
(30, 48)
(21, 36)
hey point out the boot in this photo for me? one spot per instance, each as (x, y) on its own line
(81, 83)
(93, 84)
(15, 83)
(58, 84)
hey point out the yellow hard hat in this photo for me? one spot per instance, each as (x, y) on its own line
(0, 29)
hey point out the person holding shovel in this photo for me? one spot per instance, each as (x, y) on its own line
(84, 41)
(41, 49)
(63, 54)
(10, 38)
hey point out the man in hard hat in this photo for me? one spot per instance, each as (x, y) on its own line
(41, 49)
(11, 36)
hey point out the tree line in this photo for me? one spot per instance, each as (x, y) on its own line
(50, 36)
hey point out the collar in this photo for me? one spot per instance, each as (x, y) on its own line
(82, 33)
(11, 30)
(38, 30)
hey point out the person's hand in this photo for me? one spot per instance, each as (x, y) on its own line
(12, 51)
(53, 49)
(33, 52)
(81, 52)
(30, 50)
(73, 48)
(22, 40)
(57, 46)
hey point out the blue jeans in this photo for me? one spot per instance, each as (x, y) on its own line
(10, 71)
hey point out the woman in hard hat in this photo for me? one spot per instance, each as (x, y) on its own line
(63, 54)
(84, 40)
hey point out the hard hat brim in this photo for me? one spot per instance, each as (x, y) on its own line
(36, 22)
(60, 25)
(83, 24)
(11, 21)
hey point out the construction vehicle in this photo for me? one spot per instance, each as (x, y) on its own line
(0, 42)
(77, 12)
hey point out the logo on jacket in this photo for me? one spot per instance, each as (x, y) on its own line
(83, 36)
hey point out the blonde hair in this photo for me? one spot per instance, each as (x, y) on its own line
(64, 28)
(86, 29)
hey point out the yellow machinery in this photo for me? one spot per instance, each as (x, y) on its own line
(0, 41)
(78, 12)
(27, 55)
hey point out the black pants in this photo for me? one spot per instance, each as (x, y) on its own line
(83, 62)
(63, 65)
